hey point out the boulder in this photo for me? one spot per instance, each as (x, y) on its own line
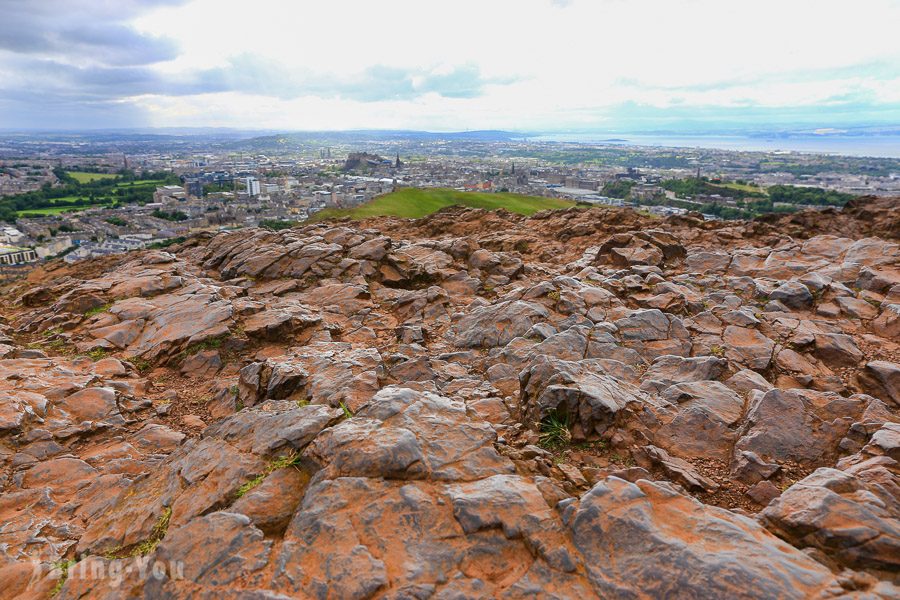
(578, 392)
(835, 512)
(496, 324)
(882, 379)
(640, 540)
(793, 294)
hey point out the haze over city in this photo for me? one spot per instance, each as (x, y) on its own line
(524, 65)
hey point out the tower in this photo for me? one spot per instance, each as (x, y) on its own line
(398, 164)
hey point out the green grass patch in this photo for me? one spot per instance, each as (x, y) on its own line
(141, 364)
(139, 183)
(97, 310)
(97, 354)
(63, 567)
(347, 412)
(52, 210)
(414, 203)
(213, 343)
(744, 187)
(83, 177)
(149, 545)
(290, 460)
(555, 432)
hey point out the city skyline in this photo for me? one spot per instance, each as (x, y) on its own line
(534, 65)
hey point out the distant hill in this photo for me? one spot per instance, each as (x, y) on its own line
(413, 203)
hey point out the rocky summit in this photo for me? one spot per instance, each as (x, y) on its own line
(586, 403)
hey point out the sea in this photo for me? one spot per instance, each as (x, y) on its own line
(882, 146)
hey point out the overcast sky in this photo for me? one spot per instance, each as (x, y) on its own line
(467, 64)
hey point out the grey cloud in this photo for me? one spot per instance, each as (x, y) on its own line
(248, 74)
(58, 54)
(82, 29)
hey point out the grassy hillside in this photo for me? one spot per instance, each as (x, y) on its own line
(413, 203)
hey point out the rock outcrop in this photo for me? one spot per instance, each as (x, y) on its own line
(578, 404)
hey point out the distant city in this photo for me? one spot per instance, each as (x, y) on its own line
(84, 195)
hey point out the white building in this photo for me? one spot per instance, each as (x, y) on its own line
(11, 235)
(252, 186)
(12, 255)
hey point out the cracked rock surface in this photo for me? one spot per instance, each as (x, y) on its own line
(577, 404)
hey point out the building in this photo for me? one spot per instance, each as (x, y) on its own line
(194, 188)
(252, 186)
(11, 235)
(168, 191)
(13, 255)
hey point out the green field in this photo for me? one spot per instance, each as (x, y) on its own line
(140, 183)
(413, 203)
(55, 210)
(82, 177)
(743, 187)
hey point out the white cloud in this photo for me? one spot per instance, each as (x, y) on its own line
(505, 63)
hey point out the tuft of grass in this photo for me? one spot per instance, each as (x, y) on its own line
(347, 412)
(555, 432)
(63, 566)
(156, 534)
(97, 310)
(302, 402)
(627, 461)
(149, 545)
(600, 445)
(97, 354)
(289, 460)
(717, 350)
(141, 364)
(554, 295)
(212, 343)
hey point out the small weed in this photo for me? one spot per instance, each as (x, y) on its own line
(717, 351)
(149, 545)
(141, 364)
(521, 246)
(57, 344)
(347, 412)
(618, 459)
(97, 310)
(302, 402)
(554, 295)
(212, 343)
(156, 534)
(595, 445)
(554, 432)
(290, 460)
(51, 332)
(97, 354)
(63, 567)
